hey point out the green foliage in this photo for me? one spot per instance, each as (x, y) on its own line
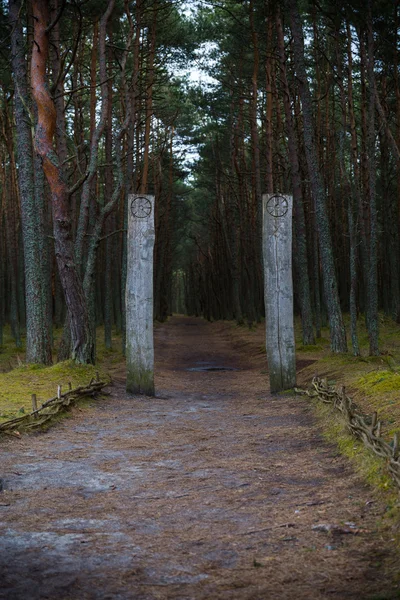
(177, 36)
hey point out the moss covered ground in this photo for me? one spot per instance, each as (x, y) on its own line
(372, 382)
(19, 381)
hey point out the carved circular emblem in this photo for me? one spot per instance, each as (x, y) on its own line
(277, 206)
(141, 207)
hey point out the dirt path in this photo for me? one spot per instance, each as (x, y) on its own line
(208, 492)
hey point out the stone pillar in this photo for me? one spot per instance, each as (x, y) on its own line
(278, 291)
(139, 296)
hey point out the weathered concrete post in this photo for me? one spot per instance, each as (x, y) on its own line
(278, 291)
(139, 296)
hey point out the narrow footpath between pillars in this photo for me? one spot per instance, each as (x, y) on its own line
(209, 491)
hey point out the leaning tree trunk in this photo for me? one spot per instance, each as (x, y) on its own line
(81, 334)
(337, 329)
(91, 172)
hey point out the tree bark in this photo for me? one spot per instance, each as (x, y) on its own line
(348, 193)
(337, 329)
(109, 223)
(131, 96)
(82, 337)
(8, 209)
(38, 327)
(149, 100)
(95, 140)
(300, 254)
(268, 119)
(372, 283)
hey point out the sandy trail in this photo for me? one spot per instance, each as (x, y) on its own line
(209, 491)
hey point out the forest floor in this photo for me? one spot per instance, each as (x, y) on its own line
(209, 491)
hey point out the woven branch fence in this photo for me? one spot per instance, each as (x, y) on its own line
(49, 409)
(365, 428)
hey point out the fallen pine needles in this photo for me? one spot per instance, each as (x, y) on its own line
(365, 428)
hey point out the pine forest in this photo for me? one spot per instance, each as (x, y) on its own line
(203, 110)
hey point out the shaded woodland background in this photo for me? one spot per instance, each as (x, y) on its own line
(94, 105)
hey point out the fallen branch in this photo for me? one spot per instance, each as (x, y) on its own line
(365, 428)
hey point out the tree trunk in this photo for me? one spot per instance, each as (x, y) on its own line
(348, 193)
(337, 330)
(131, 97)
(372, 283)
(82, 336)
(268, 119)
(300, 254)
(108, 190)
(91, 173)
(38, 333)
(149, 100)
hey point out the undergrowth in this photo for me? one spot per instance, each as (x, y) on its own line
(372, 381)
(18, 385)
(374, 384)
(10, 356)
(19, 381)
(371, 468)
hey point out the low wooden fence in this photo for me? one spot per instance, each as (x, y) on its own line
(49, 409)
(365, 428)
